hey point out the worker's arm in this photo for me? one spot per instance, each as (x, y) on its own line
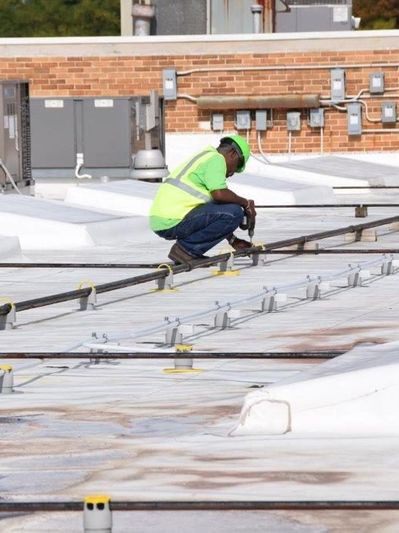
(226, 196)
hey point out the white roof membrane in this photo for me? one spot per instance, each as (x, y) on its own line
(266, 190)
(345, 167)
(132, 197)
(351, 394)
(44, 224)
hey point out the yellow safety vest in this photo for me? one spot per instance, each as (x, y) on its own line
(178, 195)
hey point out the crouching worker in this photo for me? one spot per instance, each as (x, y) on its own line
(194, 206)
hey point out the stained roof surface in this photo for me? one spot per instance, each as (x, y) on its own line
(135, 431)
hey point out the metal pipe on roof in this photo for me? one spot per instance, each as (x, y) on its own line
(257, 13)
(204, 505)
(198, 263)
(284, 101)
(311, 354)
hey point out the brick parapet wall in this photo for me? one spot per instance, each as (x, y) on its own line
(125, 75)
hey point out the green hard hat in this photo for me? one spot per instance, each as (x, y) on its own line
(241, 146)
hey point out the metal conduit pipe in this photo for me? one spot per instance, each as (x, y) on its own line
(321, 66)
(176, 322)
(155, 265)
(203, 505)
(198, 263)
(312, 354)
(285, 101)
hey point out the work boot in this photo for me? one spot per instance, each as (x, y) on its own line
(178, 255)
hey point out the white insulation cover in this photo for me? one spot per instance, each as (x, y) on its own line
(356, 393)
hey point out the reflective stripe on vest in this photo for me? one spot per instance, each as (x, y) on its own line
(176, 180)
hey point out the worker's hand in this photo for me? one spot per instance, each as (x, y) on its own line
(250, 209)
(248, 222)
(239, 244)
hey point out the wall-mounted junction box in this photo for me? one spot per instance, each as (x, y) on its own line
(243, 120)
(169, 84)
(261, 120)
(376, 83)
(217, 122)
(388, 112)
(293, 121)
(354, 119)
(316, 118)
(337, 84)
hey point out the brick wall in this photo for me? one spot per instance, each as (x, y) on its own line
(132, 75)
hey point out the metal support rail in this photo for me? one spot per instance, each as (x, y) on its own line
(314, 206)
(317, 251)
(313, 354)
(365, 187)
(239, 505)
(197, 263)
(321, 251)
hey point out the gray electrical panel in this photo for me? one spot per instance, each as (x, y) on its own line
(313, 15)
(354, 119)
(337, 84)
(15, 142)
(316, 118)
(53, 128)
(112, 147)
(376, 83)
(243, 120)
(106, 131)
(217, 122)
(261, 119)
(293, 121)
(169, 84)
(388, 112)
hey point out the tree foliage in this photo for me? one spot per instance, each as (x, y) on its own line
(59, 18)
(377, 14)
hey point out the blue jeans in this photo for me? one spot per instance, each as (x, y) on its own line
(204, 227)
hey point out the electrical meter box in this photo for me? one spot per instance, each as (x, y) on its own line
(354, 119)
(293, 121)
(376, 83)
(316, 118)
(243, 120)
(217, 122)
(388, 113)
(169, 84)
(337, 84)
(261, 120)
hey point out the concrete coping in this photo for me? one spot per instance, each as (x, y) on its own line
(199, 44)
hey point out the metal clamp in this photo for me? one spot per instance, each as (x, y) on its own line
(89, 301)
(7, 321)
(165, 284)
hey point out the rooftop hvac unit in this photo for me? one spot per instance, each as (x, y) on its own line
(15, 148)
(313, 15)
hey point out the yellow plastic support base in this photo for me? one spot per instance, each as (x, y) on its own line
(6, 368)
(227, 273)
(182, 370)
(97, 498)
(183, 347)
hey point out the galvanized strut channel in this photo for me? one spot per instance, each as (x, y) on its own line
(312, 354)
(250, 505)
(161, 273)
